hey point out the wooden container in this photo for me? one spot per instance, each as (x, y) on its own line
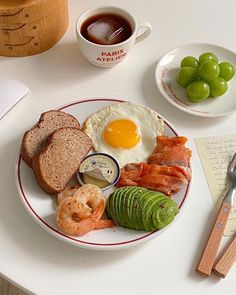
(29, 27)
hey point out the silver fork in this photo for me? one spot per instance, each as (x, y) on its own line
(210, 251)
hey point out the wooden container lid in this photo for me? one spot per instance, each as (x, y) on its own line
(31, 26)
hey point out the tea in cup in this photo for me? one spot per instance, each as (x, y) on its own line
(107, 34)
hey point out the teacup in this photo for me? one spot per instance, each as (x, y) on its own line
(108, 55)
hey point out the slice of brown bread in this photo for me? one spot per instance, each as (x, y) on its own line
(55, 165)
(35, 138)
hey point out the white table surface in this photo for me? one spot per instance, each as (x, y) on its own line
(42, 264)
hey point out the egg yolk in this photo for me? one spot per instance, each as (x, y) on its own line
(121, 134)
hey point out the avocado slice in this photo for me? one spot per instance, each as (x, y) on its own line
(126, 199)
(117, 206)
(150, 204)
(144, 195)
(165, 213)
(133, 209)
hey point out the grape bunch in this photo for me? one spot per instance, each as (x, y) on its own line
(205, 77)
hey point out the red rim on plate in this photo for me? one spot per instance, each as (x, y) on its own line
(55, 232)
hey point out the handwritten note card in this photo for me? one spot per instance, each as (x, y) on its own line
(216, 153)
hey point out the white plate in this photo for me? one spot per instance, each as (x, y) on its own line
(165, 78)
(41, 206)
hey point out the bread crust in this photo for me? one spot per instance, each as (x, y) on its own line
(39, 160)
(42, 125)
(39, 177)
(24, 151)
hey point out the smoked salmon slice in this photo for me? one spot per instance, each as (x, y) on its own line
(166, 179)
(162, 183)
(171, 151)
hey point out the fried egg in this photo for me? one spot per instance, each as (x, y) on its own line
(126, 131)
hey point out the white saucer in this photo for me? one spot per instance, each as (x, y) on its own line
(165, 78)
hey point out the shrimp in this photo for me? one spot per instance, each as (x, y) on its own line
(89, 195)
(84, 222)
(67, 192)
(105, 223)
(79, 210)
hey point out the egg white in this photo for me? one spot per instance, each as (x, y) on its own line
(147, 121)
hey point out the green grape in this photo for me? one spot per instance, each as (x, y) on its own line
(189, 61)
(207, 56)
(218, 87)
(227, 70)
(186, 75)
(198, 91)
(209, 70)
